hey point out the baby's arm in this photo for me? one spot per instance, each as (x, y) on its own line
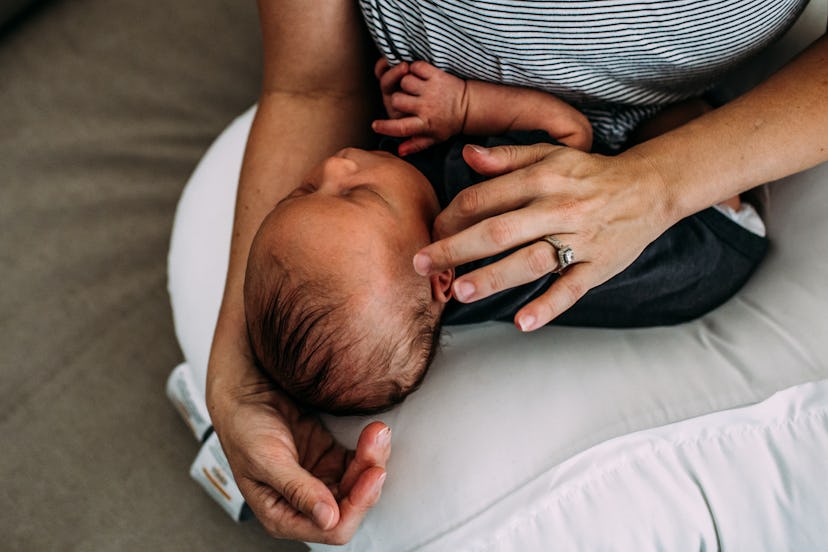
(429, 106)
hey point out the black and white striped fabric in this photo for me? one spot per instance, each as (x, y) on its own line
(618, 61)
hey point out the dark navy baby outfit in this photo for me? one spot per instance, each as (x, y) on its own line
(689, 270)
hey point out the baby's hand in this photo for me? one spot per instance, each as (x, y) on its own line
(423, 102)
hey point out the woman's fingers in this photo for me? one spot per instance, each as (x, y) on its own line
(283, 521)
(490, 236)
(363, 496)
(363, 480)
(282, 489)
(562, 294)
(525, 265)
(503, 159)
(373, 449)
(509, 191)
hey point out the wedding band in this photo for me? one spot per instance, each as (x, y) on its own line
(565, 254)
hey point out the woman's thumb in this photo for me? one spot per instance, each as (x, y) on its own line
(504, 159)
(305, 493)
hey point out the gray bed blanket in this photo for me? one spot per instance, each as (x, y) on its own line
(105, 108)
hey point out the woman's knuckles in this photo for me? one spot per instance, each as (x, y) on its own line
(501, 231)
(445, 255)
(468, 202)
(494, 281)
(539, 260)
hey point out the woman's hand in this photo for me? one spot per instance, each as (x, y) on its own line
(296, 478)
(607, 209)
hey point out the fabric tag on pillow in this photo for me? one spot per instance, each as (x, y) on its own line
(212, 471)
(184, 394)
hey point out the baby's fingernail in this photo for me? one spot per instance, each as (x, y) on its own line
(479, 149)
(463, 290)
(526, 323)
(383, 437)
(422, 264)
(323, 515)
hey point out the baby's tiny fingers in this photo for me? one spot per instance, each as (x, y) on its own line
(390, 80)
(404, 102)
(412, 84)
(399, 128)
(424, 69)
(415, 144)
(380, 67)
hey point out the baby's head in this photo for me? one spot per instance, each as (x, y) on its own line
(336, 315)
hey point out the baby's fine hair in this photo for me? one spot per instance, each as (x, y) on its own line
(308, 339)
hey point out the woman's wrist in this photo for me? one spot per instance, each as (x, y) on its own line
(666, 205)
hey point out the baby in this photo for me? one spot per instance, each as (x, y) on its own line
(336, 315)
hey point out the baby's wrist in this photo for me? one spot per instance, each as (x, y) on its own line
(462, 110)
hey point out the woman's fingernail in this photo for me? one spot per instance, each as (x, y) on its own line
(479, 149)
(383, 437)
(323, 515)
(422, 264)
(463, 290)
(379, 483)
(526, 323)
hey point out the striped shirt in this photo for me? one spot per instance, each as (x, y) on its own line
(618, 61)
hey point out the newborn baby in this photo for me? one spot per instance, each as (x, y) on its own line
(337, 316)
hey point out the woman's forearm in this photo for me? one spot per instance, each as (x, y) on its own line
(316, 98)
(776, 129)
(289, 134)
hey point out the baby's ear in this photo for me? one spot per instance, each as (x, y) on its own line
(441, 285)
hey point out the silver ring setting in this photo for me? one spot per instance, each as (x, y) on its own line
(565, 254)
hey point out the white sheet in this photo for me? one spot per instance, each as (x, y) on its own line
(751, 478)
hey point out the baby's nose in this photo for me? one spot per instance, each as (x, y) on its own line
(335, 170)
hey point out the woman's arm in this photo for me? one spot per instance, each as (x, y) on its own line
(609, 208)
(315, 99)
(776, 129)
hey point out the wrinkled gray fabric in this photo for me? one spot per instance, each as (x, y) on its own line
(105, 108)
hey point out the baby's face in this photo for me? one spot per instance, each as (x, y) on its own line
(357, 206)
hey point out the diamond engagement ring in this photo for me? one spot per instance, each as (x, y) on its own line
(565, 254)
